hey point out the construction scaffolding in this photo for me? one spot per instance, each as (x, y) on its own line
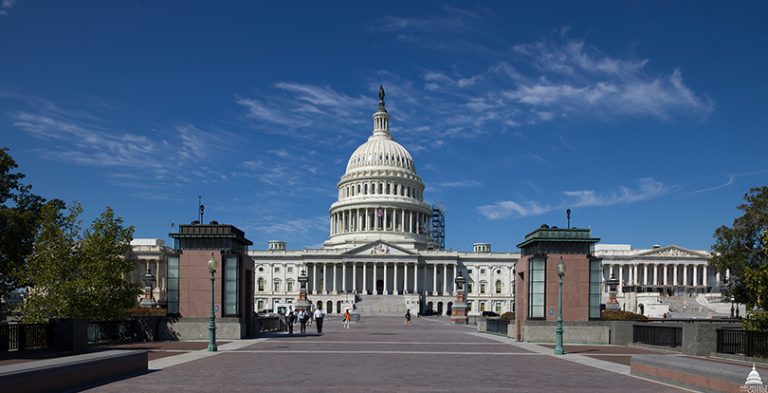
(437, 234)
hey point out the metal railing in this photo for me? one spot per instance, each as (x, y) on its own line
(22, 337)
(666, 336)
(497, 326)
(742, 342)
(112, 331)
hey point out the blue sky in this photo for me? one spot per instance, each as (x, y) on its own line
(647, 119)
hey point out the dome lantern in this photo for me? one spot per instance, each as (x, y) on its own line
(381, 117)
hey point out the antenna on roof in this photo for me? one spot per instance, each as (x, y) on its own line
(568, 216)
(201, 208)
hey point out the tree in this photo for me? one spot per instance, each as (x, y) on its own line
(743, 248)
(76, 275)
(19, 209)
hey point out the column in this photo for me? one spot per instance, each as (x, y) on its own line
(365, 278)
(374, 278)
(354, 277)
(674, 274)
(727, 274)
(645, 274)
(695, 275)
(333, 288)
(634, 274)
(416, 277)
(704, 275)
(343, 277)
(685, 274)
(445, 279)
(434, 279)
(405, 275)
(384, 228)
(314, 279)
(666, 269)
(402, 229)
(386, 289)
(621, 278)
(717, 277)
(394, 280)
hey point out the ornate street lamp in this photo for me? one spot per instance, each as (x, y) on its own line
(148, 300)
(212, 325)
(559, 330)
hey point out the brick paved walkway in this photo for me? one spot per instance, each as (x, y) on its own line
(382, 355)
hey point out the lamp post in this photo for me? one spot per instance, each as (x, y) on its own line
(559, 330)
(212, 325)
(148, 300)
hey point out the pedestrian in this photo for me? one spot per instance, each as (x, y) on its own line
(407, 317)
(303, 321)
(347, 317)
(319, 314)
(291, 320)
(310, 317)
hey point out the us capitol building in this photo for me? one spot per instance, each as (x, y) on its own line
(383, 256)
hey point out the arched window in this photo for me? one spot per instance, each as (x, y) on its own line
(365, 189)
(276, 286)
(261, 284)
(289, 286)
(498, 286)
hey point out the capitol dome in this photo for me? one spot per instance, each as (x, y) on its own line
(380, 194)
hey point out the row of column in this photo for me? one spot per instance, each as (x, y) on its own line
(414, 278)
(659, 274)
(366, 219)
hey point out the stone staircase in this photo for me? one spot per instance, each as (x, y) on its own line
(381, 305)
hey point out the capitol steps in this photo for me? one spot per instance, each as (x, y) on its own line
(381, 305)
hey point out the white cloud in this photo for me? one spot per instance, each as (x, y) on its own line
(6, 6)
(646, 189)
(293, 226)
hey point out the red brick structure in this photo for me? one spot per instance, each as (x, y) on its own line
(536, 279)
(233, 293)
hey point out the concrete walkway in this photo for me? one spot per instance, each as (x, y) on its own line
(379, 354)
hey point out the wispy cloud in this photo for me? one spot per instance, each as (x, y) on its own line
(292, 226)
(731, 180)
(5, 6)
(646, 189)
(164, 154)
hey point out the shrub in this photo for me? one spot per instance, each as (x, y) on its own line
(508, 316)
(145, 312)
(756, 321)
(621, 316)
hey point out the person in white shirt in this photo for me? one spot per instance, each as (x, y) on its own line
(303, 321)
(319, 315)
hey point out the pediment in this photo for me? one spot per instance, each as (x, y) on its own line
(378, 247)
(673, 252)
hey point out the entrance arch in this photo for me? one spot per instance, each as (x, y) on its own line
(439, 308)
(329, 307)
(319, 304)
(430, 306)
(449, 308)
(379, 287)
(338, 306)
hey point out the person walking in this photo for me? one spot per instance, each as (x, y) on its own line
(303, 321)
(347, 317)
(319, 314)
(291, 320)
(407, 317)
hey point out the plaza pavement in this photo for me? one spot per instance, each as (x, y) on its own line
(379, 354)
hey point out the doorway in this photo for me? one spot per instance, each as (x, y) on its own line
(379, 287)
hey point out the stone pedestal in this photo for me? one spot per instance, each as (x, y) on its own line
(459, 313)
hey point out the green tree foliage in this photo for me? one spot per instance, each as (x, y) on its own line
(76, 275)
(18, 223)
(743, 248)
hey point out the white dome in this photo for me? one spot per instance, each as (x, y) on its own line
(381, 150)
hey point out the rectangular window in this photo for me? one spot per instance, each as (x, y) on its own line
(231, 298)
(290, 270)
(595, 297)
(469, 288)
(536, 274)
(277, 270)
(290, 286)
(482, 288)
(277, 286)
(173, 284)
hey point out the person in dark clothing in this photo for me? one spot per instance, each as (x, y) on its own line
(291, 321)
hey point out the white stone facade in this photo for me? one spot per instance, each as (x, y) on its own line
(379, 244)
